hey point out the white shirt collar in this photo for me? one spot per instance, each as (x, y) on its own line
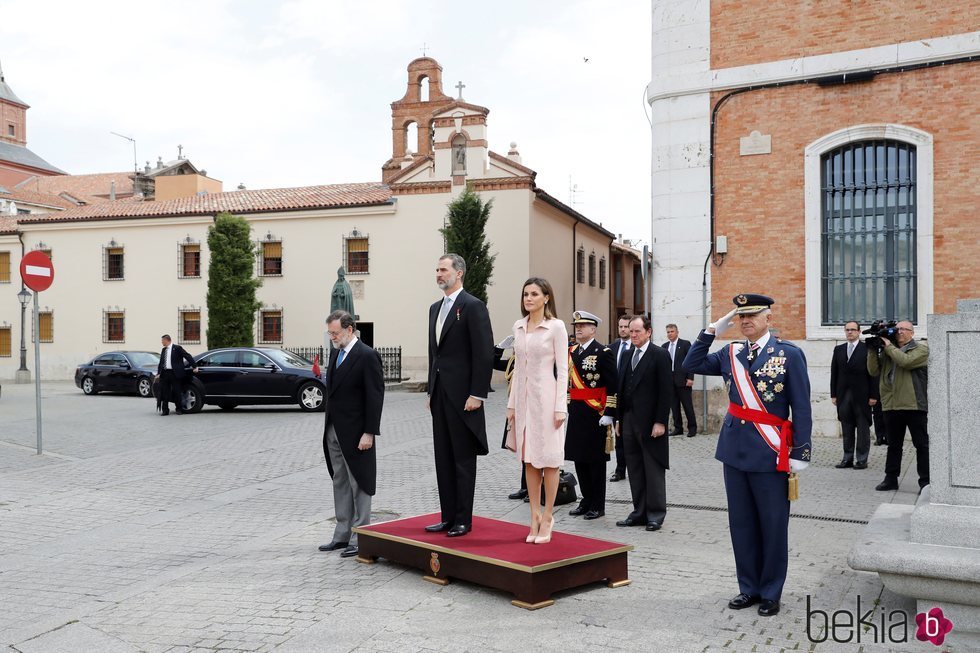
(764, 340)
(588, 344)
(350, 345)
(454, 296)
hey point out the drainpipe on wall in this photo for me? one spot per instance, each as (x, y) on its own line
(574, 263)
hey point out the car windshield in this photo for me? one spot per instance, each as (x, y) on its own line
(144, 358)
(286, 359)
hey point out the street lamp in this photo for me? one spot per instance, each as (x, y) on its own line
(22, 373)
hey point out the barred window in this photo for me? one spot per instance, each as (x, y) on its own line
(868, 215)
(113, 326)
(45, 329)
(189, 260)
(6, 342)
(356, 254)
(190, 326)
(112, 263)
(592, 269)
(619, 280)
(4, 267)
(270, 326)
(580, 265)
(271, 258)
(602, 272)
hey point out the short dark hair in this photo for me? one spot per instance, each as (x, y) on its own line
(647, 325)
(626, 316)
(854, 322)
(458, 263)
(346, 319)
(550, 310)
(167, 336)
(672, 326)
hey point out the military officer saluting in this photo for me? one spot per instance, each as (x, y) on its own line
(759, 446)
(591, 409)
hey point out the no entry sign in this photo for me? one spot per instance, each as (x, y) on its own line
(37, 271)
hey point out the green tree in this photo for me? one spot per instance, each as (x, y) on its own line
(465, 234)
(231, 283)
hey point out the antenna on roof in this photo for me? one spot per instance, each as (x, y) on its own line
(136, 167)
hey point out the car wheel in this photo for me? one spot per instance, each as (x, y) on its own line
(193, 399)
(311, 396)
(88, 386)
(145, 387)
(227, 406)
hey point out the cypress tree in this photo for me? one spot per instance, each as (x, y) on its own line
(465, 234)
(231, 284)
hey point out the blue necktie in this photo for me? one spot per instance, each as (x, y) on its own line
(340, 356)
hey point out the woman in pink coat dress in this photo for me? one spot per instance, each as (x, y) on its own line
(538, 403)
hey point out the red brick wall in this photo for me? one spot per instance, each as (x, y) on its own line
(759, 199)
(753, 31)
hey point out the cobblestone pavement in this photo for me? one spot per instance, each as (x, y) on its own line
(199, 532)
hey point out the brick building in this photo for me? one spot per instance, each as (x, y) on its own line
(17, 163)
(825, 153)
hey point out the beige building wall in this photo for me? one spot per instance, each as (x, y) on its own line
(171, 187)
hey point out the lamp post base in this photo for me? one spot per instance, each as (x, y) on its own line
(22, 376)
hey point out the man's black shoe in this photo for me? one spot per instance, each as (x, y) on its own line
(164, 414)
(844, 464)
(768, 608)
(594, 514)
(692, 434)
(520, 494)
(629, 521)
(879, 442)
(886, 485)
(458, 531)
(333, 546)
(577, 510)
(179, 412)
(677, 432)
(653, 526)
(441, 526)
(349, 552)
(860, 465)
(617, 477)
(743, 601)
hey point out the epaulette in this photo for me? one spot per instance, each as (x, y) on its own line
(606, 349)
(787, 342)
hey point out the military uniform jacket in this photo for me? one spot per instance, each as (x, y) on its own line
(779, 377)
(585, 440)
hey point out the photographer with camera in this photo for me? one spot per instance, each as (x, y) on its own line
(902, 367)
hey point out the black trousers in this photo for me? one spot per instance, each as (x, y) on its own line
(917, 422)
(620, 457)
(683, 397)
(592, 482)
(648, 482)
(878, 417)
(171, 392)
(455, 453)
(855, 424)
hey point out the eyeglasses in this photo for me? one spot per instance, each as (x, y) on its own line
(334, 334)
(903, 329)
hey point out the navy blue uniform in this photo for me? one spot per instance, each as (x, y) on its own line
(758, 505)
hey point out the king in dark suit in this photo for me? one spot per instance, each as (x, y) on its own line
(767, 382)
(644, 399)
(683, 382)
(355, 392)
(172, 373)
(460, 366)
(854, 392)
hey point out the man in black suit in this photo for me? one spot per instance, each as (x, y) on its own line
(172, 372)
(460, 366)
(644, 407)
(854, 392)
(620, 349)
(683, 382)
(355, 390)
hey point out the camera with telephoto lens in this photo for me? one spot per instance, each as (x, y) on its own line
(878, 330)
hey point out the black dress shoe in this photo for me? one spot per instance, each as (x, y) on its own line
(743, 601)
(458, 531)
(520, 494)
(616, 477)
(768, 608)
(349, 552)
(691, 434)
(844, 464)
(594, 514)
(164, 414)
(886, 485)
(179, 412)
(577, 510)
(860, 465)
(441, 526)
(880, 442)
(677, 432)
(629, 521)
(333, 546)
(653, 526)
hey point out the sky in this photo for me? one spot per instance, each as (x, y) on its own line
(295, 93)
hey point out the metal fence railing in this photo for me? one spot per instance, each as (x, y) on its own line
(391, 359)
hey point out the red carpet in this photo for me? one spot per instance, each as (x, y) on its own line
(499, 540)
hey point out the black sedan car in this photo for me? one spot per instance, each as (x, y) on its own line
(118, 371)
(238, 376)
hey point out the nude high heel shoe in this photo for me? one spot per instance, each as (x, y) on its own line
(535, 525)
(545, 531)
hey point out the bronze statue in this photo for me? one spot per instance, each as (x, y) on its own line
(342, 297)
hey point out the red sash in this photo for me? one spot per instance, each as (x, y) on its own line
(761, 417)
(595, 398)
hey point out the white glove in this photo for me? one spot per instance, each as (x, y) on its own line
(606, 420)
(507, 342)
(723, 324)
(797, 465)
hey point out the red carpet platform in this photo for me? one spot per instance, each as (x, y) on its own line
(494, 554)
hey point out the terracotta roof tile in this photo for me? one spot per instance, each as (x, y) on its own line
(29, 197)
(8, 224)
(88, 188)
(238, 202)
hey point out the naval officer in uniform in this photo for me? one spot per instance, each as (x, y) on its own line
(759, 446)
(592, 382)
